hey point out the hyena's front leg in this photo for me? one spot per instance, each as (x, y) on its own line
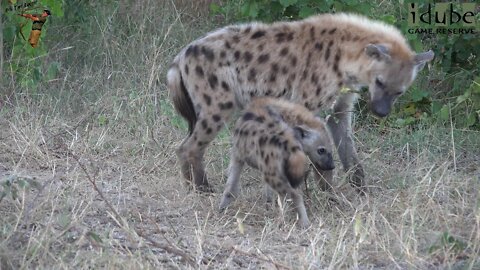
(340, 126)
(232, 187)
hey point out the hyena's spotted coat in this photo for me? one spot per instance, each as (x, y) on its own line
(276, 137)
(307, 62)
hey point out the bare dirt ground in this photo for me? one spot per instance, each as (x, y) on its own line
(419, 213)
(89, 179)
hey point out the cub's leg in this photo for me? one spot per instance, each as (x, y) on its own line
(283, 188)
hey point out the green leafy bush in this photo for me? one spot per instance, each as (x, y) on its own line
(451, 89)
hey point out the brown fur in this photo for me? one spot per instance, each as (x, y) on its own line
(306, 62)
(276, 137)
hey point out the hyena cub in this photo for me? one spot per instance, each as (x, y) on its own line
(278, 137)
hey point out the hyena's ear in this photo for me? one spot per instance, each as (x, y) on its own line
(378, 51)
(420, 59)
(300, 132)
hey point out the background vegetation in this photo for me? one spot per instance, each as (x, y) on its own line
(88, 177)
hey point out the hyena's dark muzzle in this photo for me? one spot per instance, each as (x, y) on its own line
(326, 163)
(382, 105)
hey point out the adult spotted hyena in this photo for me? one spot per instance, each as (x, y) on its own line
(276, 137)
(307, 62)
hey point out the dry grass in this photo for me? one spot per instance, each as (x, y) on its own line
(107, 120)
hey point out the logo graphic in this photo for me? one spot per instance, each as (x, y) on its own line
(442, 18)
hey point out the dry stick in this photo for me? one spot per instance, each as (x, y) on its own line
(170, 249)
(276, 264)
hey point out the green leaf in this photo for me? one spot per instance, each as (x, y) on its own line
(444, 113)
(471, 119)
(52, 71)
(306, 12)
(95, 237)
(287, 3)
(418, 94)
(215, 8)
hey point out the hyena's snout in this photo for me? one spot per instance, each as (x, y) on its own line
(326, 163)
(381, 106)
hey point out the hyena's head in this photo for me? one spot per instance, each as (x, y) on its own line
(317, 145)
(389, 77)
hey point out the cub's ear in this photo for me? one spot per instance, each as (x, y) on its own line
(378, 51)
(300, 132)
(421, 58)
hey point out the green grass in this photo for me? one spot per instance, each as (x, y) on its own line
(107, 119)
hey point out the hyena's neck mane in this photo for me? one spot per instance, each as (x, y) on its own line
(353, 33)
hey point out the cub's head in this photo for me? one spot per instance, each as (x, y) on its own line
(317, 145)
(389, 76)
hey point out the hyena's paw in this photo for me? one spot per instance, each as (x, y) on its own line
(357, 180)
(227, 199)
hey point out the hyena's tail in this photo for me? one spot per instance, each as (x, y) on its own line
(180, 97)
(295, 168)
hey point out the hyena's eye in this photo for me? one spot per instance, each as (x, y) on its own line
(379, 84)
(321, 151)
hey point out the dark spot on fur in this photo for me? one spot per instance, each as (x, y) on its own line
(247, 30)
(304, 74)
(248, 56)
(314, 78)
(280, 37)
(290, 36)
(293, 61)
(223, 54)
(284, 70)
(294, 149)
(267, 159)
(199, 71)
(258, 34)
(312, 33)
(208, 131)
(284, 51)
(227, 45)
(332, 31)
(260, 47)
(252, 74)
(192, 50)
(262, 140)
(213, 81)
(263, 58)
(216, 117)
(274, 140)
(275, 67)
(236, 55)
(186, 69)
(208, 53)
(327, 52)
(324, 31)
(207, 99)
(260, 119)
(269, 91)
(204, 124)
(319, 46)
(271, 125)
(236, 39)
(225, 106)
(248, 116)
(319, 90)
(225, 86)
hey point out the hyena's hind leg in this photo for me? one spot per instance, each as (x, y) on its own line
(192, 150)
